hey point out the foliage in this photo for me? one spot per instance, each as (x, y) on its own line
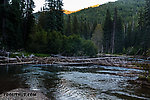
(54, 40)
(108, 29)
(76, 46)
(89, 48)
(141, 35)
(38, 41)
(67, 27)
(126, 8)
(56, 43)
(54, 15)
(126, 31)
(71, 35)
(16, 23)
(119, 36)
(97, 37)
(27, 54)
(73, 46)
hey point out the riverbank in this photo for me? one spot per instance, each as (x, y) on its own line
(121, 61)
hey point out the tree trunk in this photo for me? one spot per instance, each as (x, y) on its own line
(113, 37)
(4, 24)
(114, 31)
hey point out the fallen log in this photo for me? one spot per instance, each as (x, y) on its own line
(18, 63)
(74, 64)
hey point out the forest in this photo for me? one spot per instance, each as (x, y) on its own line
(121, 27)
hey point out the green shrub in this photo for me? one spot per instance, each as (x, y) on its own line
(76, 46)
(55, 43)
(89, 48)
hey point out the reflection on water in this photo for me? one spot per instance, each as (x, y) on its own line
(73, 82)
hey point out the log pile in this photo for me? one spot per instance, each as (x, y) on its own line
(66, 61)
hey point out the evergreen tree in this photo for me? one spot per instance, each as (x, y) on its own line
(59, 16)
(81, 28)
(28, 22)
(93, 28)
(85, 30)
(128, 38)
(117, 34)
(11, 23)
(55, 16)
(14, 33)
(3, 18)
(141, 29)
(42, 20)
(68, 26)
(147, 14)
(119, 38)
(75, 25)
(147, 26)
(114, 30)
(108, 25)
(143, 32)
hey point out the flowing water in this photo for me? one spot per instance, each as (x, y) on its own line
(74, 82)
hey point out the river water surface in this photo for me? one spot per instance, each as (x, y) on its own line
(74, 82)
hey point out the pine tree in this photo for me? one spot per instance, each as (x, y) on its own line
(11, 23)
(128, 39)
(140, 30)
(108, 25)
(42, 20)
(14, 33)
(119, 38)
(59, 16)
(81, 28)
(68, 26)
(75, 25)
(93, 28)
(147, 14)
(28, 21)
(114, 31)
(117, 34)
(55, 15)
(85, 30)
(147, 26)
(3, 17)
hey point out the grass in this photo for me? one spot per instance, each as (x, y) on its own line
(27, 54)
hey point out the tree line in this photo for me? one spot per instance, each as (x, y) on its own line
(114, 34)
(53, 32)
(19, 30)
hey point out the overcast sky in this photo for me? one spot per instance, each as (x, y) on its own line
(73, 5)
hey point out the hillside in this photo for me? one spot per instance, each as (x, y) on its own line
(70, 12)
(128, 10)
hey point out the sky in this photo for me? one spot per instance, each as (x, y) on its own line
(73, 5)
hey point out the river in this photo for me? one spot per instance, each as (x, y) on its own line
(74, 82)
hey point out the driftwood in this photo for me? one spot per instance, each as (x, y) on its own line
(72, 61)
